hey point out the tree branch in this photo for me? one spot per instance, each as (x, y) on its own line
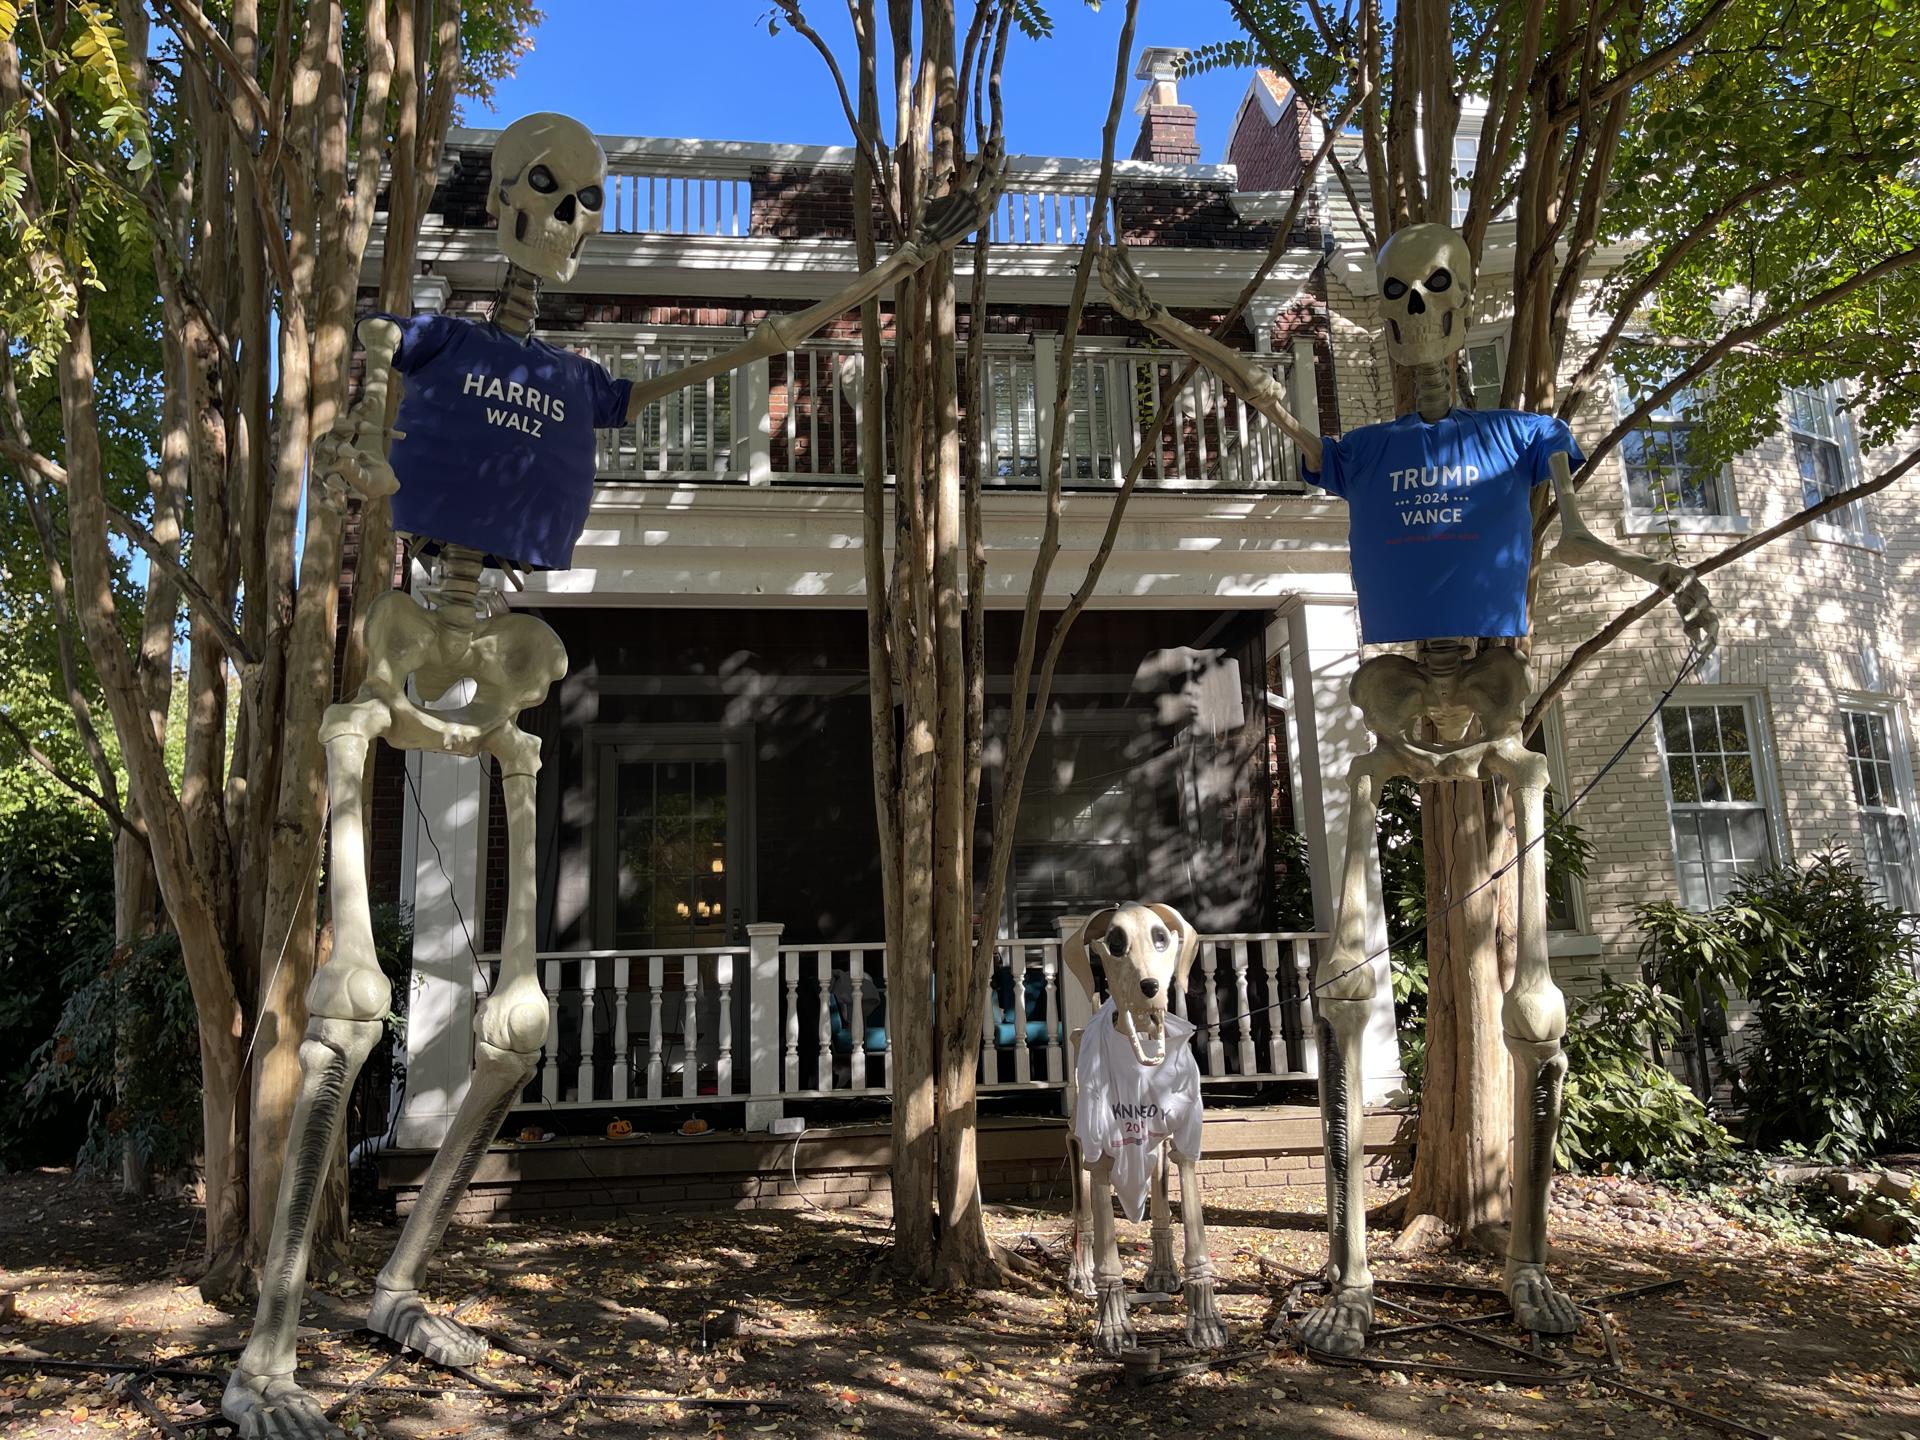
(1617, 626)
(109, 807)
(1648, 65)
(862, 135)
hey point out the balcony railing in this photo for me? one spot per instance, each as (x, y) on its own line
(796, 417)
(765, 1022)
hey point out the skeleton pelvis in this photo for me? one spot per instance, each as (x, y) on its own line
(1439, 718)
(511, 660)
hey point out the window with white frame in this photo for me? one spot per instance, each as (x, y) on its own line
(1466, 152)
(1012, 440)
(1886, 825)
(1718, 792)
(1563, 885)
(1482, 368)
(1822, 440)
(1665, 473)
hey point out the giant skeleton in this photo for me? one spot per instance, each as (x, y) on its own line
(1453, 710)
(547, 192)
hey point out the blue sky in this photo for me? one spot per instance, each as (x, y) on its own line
(708, 69)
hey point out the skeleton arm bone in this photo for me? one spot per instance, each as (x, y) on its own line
(355, 450)
(948, 219)
(1252, 383)
(1579, 546)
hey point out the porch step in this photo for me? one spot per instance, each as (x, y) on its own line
(1274, 1148)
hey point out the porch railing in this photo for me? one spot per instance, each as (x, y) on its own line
(764, 1022)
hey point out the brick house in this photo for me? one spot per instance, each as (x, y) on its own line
(710, 927)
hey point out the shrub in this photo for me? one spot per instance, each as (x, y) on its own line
(1621, 1106)
(127, 1045)
(56, 903)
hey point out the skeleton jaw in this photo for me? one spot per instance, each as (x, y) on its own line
(1156, 1028)
(548, 248)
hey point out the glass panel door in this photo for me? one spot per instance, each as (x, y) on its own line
(671, 846)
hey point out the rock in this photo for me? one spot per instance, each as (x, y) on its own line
(1887, 1230)
(1845, 1183)
(1895, 1185)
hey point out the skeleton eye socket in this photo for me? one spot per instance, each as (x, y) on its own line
(1160, 938)
(591, 197)
(541, 179)
(1394, 289)
(1439, 280)
(1116, 941)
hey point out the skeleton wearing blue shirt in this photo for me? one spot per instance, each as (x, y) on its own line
(1440, 518)
(494, 467)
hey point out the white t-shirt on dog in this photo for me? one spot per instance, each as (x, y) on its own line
(1129, 1110)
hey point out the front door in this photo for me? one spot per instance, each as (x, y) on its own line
(672, 852)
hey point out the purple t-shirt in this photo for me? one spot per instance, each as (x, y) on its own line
(499, 452)
(1440, 520)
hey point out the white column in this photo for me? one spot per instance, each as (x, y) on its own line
(757, 376)
(765, 1034)
(1076, 1008)
(1323, 639)
(451, 815)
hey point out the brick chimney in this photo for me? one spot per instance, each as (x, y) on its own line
(1166, 126)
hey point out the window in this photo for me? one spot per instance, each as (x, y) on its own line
(1013, 440)
(1483, 367)
(1565, 850)
(1717, 794)
(1886, 828)
(1466, 150)
(1665, 475)
(1822, 451)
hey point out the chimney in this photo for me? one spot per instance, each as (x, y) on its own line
(1166, 126)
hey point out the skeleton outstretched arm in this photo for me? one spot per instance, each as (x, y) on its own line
(355, 449)
(947, 220)
(1580, 546)
(1252, 383)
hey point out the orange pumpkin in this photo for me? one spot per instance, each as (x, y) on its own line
(619, 1129)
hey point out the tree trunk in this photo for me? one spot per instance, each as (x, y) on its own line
(1460, 1172)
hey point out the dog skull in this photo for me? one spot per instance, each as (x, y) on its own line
(1426, 284)
(548, 192)
(1145, 951)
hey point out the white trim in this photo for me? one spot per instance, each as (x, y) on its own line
(662, 264)
(1839, 535)
(1889, 709)
(1653, 522)
(663, 155)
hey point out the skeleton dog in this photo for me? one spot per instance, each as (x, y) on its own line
(1137, 1114)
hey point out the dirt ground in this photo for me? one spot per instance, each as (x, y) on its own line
(1796, 1340)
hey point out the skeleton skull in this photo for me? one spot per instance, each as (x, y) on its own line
(1145, 952)
(548, 192)
(1426, 284)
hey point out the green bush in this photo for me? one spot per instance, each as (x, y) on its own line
(56, 904)
(127, 1046)
(1621, 1106)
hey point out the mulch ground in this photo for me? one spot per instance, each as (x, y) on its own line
(1793, 1339)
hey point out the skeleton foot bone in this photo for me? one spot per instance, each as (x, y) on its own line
(1113, 1331)
(1340, 1326)
(1205, 1329)
(1537, 1306)
(272, 1407)
(1080, 1268)
(403, 1318)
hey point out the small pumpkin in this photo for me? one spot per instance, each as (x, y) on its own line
(619, 1129)
(695, 1126)
(532, 1135)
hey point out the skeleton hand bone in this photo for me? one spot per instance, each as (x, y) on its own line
(948, 219)
(1697, 615)
(355, 450)
(1125, 290)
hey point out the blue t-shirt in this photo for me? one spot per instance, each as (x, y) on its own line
(1439, 523)
(498, 454)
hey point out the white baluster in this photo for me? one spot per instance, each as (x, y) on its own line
(1303, 976)
(989, 1058)
(583, 1085)
(656, 1060)
(1249, 1059)
(690, 1019)
(723, 1062)
(1216, 1052)
(857, 1019)
(1276, 1017)
(620, 1074)
(823, 977)
(791, 1073)
(550, 1068)
(1050, 978)
(1022, 1061)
